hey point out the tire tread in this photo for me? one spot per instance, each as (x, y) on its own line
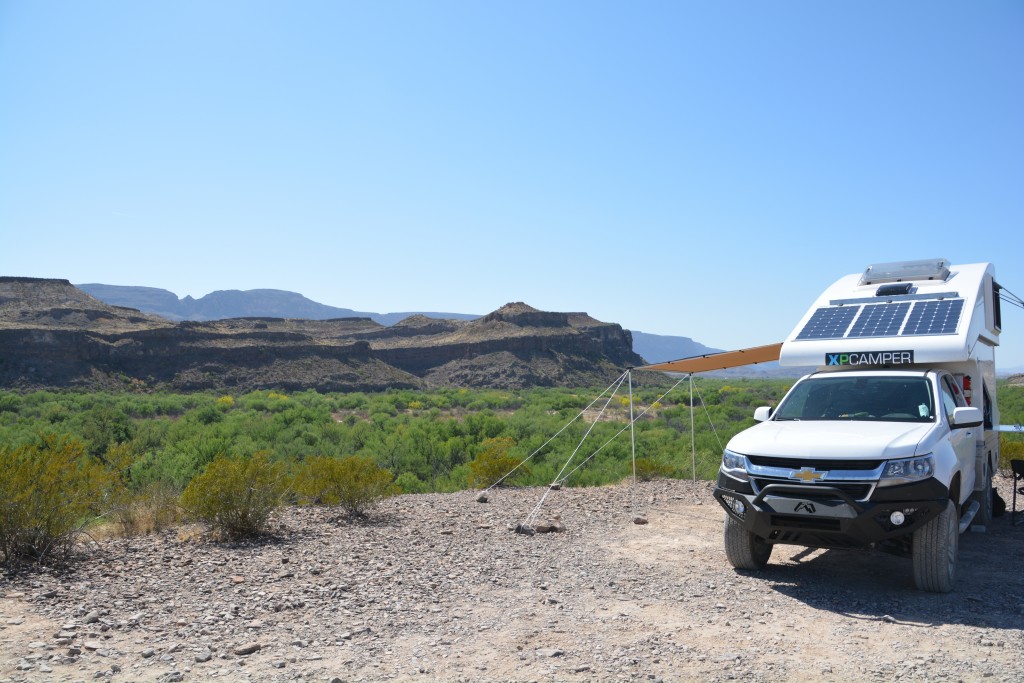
(743, 549)
(930, 554)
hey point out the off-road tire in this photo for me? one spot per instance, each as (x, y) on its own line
(743, 549)
(984, 498)
(935, 549)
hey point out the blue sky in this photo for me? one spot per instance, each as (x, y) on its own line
(697, 169)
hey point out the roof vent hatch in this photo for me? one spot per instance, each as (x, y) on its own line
(903, 271)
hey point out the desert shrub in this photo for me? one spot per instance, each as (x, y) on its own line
(1010, 448)
(493, 462)
(237, 496)
(647, 469)
(49, 492)
(356, 484)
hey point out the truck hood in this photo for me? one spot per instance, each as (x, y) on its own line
(831, 439)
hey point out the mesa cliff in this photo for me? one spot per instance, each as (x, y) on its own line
(54, 335)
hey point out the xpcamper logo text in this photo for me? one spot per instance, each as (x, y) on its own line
(870, 358)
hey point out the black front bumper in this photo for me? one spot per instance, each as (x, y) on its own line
(819, 516)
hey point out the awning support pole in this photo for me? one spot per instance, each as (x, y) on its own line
(632, 432)
(693, 435)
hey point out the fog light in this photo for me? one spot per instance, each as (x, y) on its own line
(737, 505)
(897, 518)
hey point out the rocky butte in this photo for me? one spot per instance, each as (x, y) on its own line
(54, 335)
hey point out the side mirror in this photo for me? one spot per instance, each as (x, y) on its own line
(966, 417)
(763, 413)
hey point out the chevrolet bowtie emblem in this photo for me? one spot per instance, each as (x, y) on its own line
(806, 474)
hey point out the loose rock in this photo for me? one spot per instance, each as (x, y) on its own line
(392, 597)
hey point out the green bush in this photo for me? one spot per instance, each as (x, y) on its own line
(49, 492)
(10, 403)
(180, 461)
(209, 415)
(356, 484)
(647, 469)
(104, 426)
(410, 483)
(493, 463)
(237, 496)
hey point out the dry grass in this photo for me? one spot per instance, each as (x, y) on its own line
(152, 510)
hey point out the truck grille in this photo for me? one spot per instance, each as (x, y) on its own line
(856, 490)
(798, 463)
(855, 478)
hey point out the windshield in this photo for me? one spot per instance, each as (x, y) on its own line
(884, 399)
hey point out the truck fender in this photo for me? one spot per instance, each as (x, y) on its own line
(954, 492)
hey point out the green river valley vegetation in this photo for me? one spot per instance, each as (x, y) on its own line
(97, 455)
(427, 439)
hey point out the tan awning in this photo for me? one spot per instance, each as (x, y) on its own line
(720, 361)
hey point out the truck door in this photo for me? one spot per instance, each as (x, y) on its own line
(961, 438)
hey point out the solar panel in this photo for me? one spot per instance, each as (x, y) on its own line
(892, 319)
(829, 323)
(934, 317)
(880, 320)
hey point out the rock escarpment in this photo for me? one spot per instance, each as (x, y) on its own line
(53, 335)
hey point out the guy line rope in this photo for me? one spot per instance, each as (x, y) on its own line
(528, 524)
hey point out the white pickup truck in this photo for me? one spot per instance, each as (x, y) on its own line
(892, 442)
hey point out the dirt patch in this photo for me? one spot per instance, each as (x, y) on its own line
(436, 587)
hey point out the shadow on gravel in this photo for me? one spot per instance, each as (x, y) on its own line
(377, 520)
(876, 586)
(282, 539)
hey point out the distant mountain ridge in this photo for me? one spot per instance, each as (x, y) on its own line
(277, 303)
(659, 348)
(55, 335)
(235, 303)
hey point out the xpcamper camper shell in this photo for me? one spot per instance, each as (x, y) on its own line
(892, 442)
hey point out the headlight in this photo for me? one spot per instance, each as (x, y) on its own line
(907, 471)
(735, 465)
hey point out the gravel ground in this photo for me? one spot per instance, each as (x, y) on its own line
(436, 587)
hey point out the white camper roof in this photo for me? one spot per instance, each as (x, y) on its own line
(911, 312)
